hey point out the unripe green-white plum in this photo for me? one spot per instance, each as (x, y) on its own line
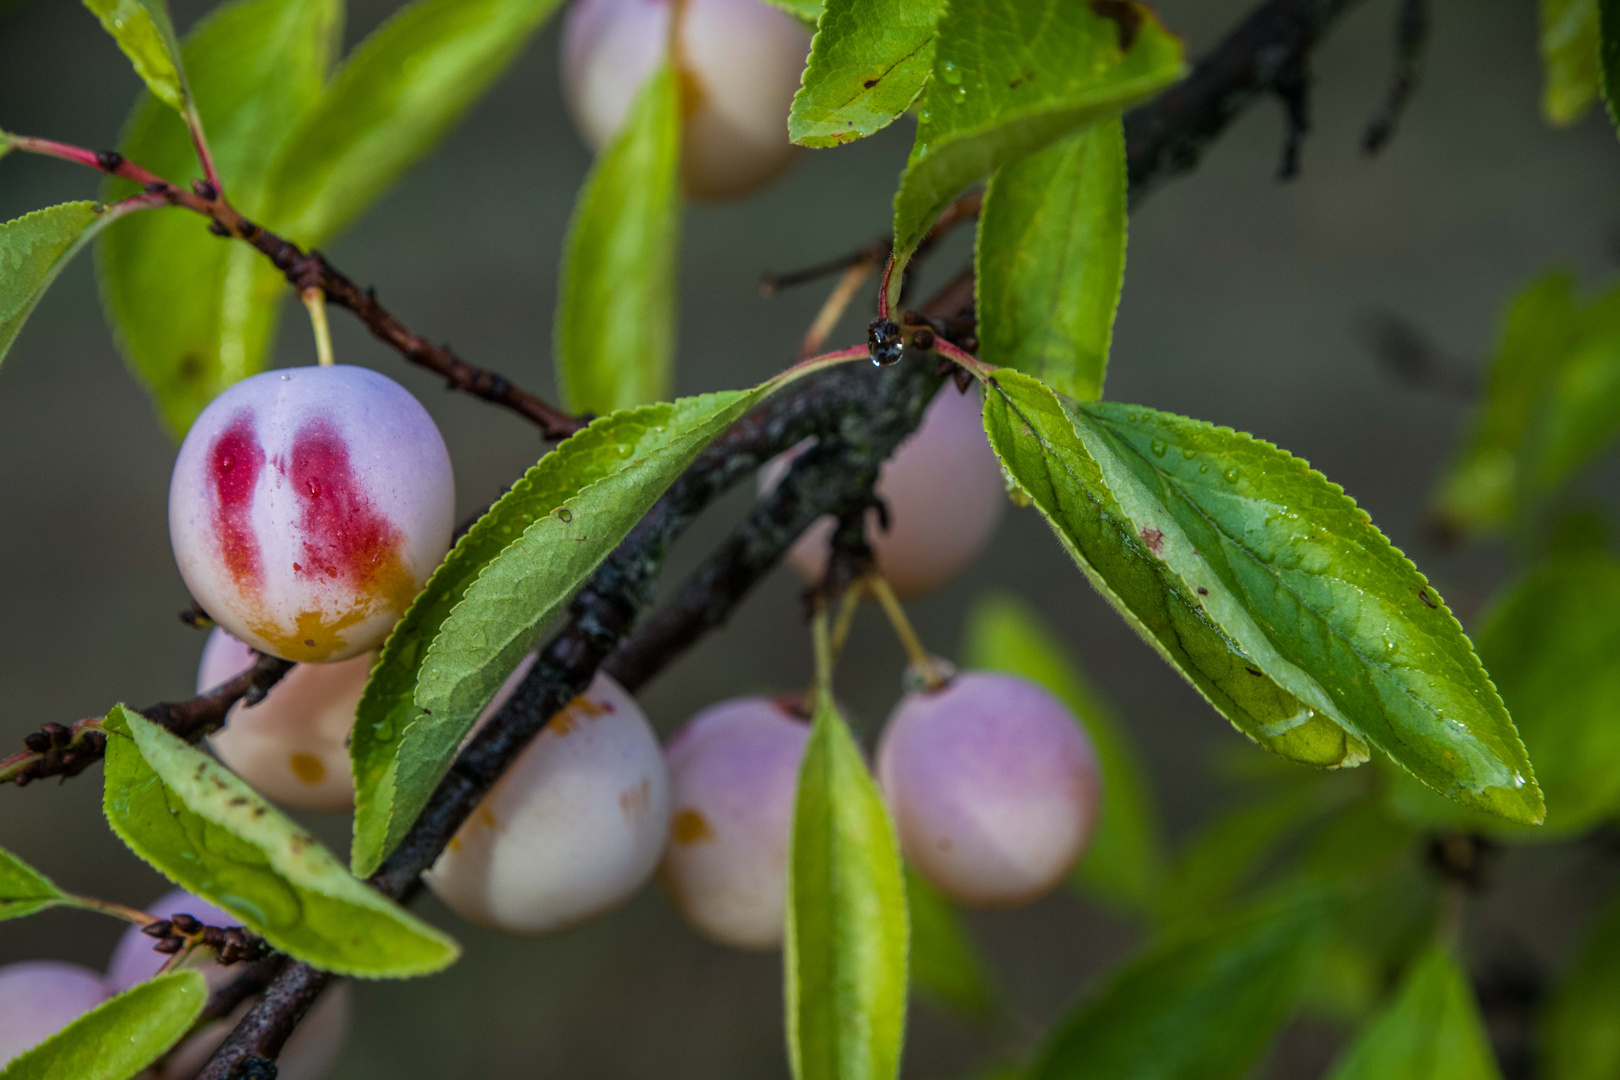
(945, 496)
(310, 1051)
(38, 998)
(307, 508)
(293, 745)
(993, 785)
(740, 62)
(733, 772)
(574, 827)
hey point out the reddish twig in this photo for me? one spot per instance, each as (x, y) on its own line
(310, 270)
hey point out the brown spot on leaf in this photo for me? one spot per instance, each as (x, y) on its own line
(1202, 591)
(1423, 595)
(869, 83)
(1154, 539)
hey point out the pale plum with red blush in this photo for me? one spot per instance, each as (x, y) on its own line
(944, 492)
(293, 746)
(573, 828)
(734, 772)
(739, 64)
(38, 998)
(308, 507)
(993, 785)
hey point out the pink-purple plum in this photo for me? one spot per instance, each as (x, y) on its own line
(574, 827)
(739, 65)
(733, 772)
(307, 508)
(945, 496)
(993, 785)
(38, 998)
(310, 1051)
(293, 746)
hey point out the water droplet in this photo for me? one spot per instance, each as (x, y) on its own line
(314, 488)
(1159, 447)
(564, 514)
(1188, 452)
(959, 94)
(950, 73)
(1518, 780)
(1231, 475)
(1131, 417)
(227, 462)
(925, 116)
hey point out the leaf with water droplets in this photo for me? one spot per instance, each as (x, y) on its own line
(1035, 436)
(1287, 568)
(211, 834)
(1025, 74)
(868, 63)
(486, 605)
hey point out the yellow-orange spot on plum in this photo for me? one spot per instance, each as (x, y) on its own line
(690, 827)
(308, 768)
(486, 818)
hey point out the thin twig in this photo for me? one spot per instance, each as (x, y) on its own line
(310, 270)
(1411, 40)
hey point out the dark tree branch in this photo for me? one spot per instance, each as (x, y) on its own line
(1168, 136)
(1411, 39)
(860, 416)
(1292, 86)
(55, 750)
(310, 270)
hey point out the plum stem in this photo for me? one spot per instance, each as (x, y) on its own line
(919, 656)
(315, 302)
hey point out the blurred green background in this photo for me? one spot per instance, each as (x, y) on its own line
(1247, 303)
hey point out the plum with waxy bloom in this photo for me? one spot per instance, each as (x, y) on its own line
(573, 828)
(993, 785)
(308, 507)
(734, 772)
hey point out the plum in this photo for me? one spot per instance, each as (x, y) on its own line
(733, 770)
(38, 998)
(740, 62)
(307, 508)
(574, 827)
(993, 785)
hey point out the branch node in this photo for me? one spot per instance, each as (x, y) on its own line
(109, 160)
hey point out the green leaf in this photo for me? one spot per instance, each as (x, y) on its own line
(616, 307)
(1431, 1031)
(1481, 489)
(214, 836)
(1051, 260)
(1569, 59)
(1609, 56)
(1552, 642)
(946, 967)
(1231, 850)
(846, 936)
(1199, 1005)
(1296, 575)
(143, 30)
(193, 313)
(1583, 403)
(1014, 76)
(806, 11)
(33, 250)
(487, 603)
(119, 1037)
(391, 100)
(1580, 1030)
(1125, 863)
(1037, 441)
(868, 62)
(24, 890)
